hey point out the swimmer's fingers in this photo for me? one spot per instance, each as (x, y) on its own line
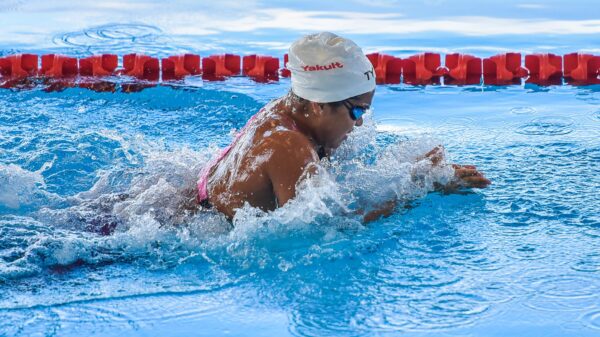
(435, 150)
(436, 155)
(470, 177)
(456, 166)
(466, 172)
(437, 158)
(476, 181)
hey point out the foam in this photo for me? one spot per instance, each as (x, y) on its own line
(19, 186)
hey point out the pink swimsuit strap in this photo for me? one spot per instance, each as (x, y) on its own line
(203, 176)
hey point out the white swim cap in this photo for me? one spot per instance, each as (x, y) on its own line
(329, 68)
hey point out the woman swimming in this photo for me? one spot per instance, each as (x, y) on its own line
(333, 84)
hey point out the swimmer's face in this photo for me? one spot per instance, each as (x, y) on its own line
(335, 122)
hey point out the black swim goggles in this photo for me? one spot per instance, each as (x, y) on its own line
(356, 111)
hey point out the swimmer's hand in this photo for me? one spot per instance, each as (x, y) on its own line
(436, 155)
(466, 176)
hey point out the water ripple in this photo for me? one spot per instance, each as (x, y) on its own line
(510, 227)
(592, 319)
(167, 308)
(447, 310)
(419, 275)
(543, 303)
(119, 38)
(568, 286)
(562, 292)
(523, 110)
(528, 251)
(547, 126)
(456, 124)
(475, 256)
(592, 231)
(107, 35)
(495, 291)
(29, 324)
(95, 316)
(588, 263)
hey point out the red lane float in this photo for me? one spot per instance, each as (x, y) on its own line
(20, 71)
(463, 69)
(503, 69)
(544, 69)
(16, 70)
(582, 68)
(98, 65)
(59, 66)
(217, 67)
(423, 69)
(261, 68)
(387, 68)
(19, 66)
(59, 70)
(285, 72)
(140, 66)
(177, 67)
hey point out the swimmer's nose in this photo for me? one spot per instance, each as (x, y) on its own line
(359, 122)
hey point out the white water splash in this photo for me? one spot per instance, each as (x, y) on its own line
(162, 190)
(19, 186)
(398, 170)
(148, 207)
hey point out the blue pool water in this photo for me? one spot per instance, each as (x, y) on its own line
(520, 258)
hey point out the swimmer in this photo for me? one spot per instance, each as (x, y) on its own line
(333, 84)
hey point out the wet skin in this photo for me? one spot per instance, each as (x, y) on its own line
(281, 146)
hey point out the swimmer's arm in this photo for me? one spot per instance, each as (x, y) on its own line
(467, 176)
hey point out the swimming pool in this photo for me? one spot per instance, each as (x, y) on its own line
(518, 258)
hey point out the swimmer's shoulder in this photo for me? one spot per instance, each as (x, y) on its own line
(290, 156)
(289, 144)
